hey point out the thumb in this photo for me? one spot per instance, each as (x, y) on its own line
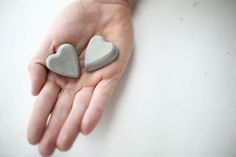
(38, 75)
(37, 68)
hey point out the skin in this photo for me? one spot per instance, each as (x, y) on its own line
(64, 106)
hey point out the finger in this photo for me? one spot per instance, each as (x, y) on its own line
(71, 127)
(37, 68)
(100, 97)
(41, 110)
(57, 119)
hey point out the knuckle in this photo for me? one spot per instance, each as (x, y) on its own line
(98, 110)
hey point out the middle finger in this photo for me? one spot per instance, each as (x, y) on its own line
(57, 119)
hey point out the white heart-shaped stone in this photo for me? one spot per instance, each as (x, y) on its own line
(65, 62)
(99, 53)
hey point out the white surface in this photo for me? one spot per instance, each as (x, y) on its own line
(178, 95)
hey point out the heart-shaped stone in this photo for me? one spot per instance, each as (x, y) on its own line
(99, 53)
(65, 62)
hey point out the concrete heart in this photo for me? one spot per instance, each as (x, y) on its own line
(65, 62)
(99, 53)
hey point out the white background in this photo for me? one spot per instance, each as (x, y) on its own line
(177, 97)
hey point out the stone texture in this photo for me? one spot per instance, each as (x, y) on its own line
(99, 53)
(65, 62)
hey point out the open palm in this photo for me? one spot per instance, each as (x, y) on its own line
(66, 106)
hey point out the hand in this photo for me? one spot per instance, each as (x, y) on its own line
(67, 106)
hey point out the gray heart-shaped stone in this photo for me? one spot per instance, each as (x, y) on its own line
(65, 62)
(99, 53)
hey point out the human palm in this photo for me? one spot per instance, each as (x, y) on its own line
(67, 106)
